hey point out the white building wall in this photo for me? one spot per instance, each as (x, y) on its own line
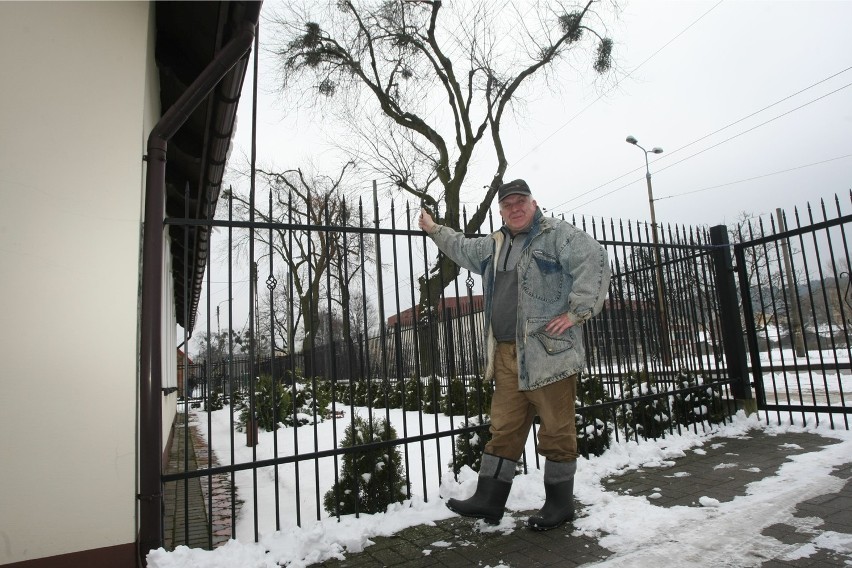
(76, 104)
(169, 349)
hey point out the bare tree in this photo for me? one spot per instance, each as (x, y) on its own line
(274, 313)
(772, 279)
(314, 263)
(421, 87)
(838, 299)
(218, 346)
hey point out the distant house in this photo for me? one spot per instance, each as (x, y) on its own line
(446, 341)
(183, 363)
(448, 308)
(84, 86)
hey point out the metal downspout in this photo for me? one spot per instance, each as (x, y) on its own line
(151, 371)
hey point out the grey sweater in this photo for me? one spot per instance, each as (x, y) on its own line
(505, 317)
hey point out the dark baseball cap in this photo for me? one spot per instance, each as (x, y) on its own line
(514, 187)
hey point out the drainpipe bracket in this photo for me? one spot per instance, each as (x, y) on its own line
(154, 497)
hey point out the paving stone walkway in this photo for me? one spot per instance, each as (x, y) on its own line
(188, 504)
(455, 543)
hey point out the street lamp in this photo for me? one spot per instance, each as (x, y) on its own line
(664, 326)
(218, 324)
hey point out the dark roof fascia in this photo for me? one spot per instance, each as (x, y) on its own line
(189, 35)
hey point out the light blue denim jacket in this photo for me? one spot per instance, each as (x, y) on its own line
(562, 270)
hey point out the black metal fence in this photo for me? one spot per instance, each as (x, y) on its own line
(797, 307)
(318, 352)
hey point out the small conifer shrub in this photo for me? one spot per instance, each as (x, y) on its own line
(648, 418)
(470, 446)
(594, 429)
(454, 401)
(372, 479)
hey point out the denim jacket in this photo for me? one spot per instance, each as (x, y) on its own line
(562, 270)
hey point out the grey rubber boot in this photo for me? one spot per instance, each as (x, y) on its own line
(559, 496)
(492, 491)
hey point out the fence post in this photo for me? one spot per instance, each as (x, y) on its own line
(450, 342)
(729, 316)
(401, 374)
(796, 316)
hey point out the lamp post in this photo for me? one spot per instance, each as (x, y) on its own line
(661, 304)
(218, 324)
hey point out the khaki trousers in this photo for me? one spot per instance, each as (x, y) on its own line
(513, 412)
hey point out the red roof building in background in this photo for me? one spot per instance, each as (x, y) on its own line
(447, 307)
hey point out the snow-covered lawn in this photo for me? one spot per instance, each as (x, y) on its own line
(814, 383)
(633, 528)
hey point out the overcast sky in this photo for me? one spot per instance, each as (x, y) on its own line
(696, 69)
(751, 101)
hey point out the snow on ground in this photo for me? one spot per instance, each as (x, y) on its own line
(641, 534)
(817, 381)
(637, 532)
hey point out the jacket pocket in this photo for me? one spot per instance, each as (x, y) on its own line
(542, 278)
(552, 344)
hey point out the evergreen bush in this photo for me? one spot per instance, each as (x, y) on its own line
(357, 392)
(215, 401)
(650, 418)
(346, 394)
(479, 396)
(238, 399)
(413, 394)
(272, 404)
(432, 396)
(397, 393)
(369, 480)
(469, 447)
(454, 402)
(387, 393)
(377, 392)
(699, 405)
(313, 398)
(594, 431)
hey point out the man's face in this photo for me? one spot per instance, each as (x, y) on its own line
(517, 211)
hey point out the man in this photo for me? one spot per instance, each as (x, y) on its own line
(542, 277)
